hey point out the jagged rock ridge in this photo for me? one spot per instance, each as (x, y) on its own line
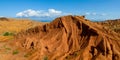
(70, 38)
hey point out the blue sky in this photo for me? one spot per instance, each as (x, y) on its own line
(50, 9)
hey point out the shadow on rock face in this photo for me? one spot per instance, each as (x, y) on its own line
(70, 38)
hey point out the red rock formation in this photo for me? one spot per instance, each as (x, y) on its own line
(70, 38)
(112, 24)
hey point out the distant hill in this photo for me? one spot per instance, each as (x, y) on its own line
(3, 19)
(112, 24)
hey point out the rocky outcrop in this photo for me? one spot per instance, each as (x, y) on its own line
(70, 38)
(112, 24)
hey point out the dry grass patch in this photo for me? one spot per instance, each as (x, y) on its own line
(13, 26)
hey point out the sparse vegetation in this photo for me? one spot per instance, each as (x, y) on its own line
(27, 55)
(15, 52)
(14, 26)
(45, 58)
(8, 48)
(8, 34)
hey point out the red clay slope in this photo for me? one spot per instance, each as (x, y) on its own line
(70, 38)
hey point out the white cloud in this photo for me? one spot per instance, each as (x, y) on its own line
(28, 13)
(39, 13)
(87, 13)
(53, 11)
(95, 14)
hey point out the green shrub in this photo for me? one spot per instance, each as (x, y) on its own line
(8, 48)
(45, 58)
(27, 55)
(15, 52)
(8, 34)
